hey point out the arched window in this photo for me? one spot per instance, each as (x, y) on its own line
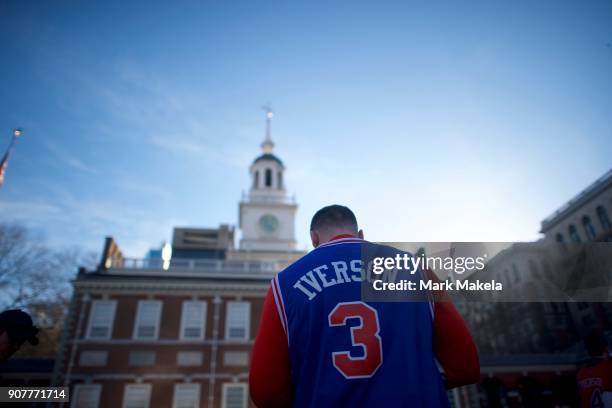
(589, 228)
(515, 273)
(256, 179)
(268, 178)
(560, 238)
(573, 233)
(280, 180)
(602, 214)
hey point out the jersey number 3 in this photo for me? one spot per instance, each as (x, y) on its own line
(365, 336)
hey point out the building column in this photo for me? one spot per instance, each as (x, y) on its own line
(213, 350)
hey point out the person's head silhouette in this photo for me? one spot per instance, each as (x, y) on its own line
(15, 329)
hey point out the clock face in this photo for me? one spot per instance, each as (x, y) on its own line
(268, 223)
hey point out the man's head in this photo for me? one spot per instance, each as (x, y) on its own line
(596, 343)
(15, 329)
(332, 221)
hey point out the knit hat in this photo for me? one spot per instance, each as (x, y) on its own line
(18, 325)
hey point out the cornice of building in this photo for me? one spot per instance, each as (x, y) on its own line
(592, 191)
(153, 286)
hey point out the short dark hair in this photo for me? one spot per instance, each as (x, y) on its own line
(334, 216)
(595, 343)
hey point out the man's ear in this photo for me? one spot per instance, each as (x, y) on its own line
(314, 237)
(360, 234)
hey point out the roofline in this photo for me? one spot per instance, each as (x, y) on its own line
(592, 190)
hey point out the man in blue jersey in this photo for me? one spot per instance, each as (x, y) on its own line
(319, 344)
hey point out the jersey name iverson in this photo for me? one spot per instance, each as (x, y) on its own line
(314, 281)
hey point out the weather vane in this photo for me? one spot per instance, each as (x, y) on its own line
(268, 108)
(268, 144)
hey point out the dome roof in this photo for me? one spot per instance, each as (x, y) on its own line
(268, 156)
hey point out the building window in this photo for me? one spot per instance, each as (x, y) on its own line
(189, 358)
(280, 180)
(515, 273)
(137, 396)
(589, 228)
(186, 395)
(234, 395)
(602, 214)
(559, 238)
(237, 320)
(268, 178)
(507, 278)
(573, 233)
(86, 396)
(533, 269)
(193, 320)
(101, 318)
(93, 358)
(235, 358)
(141, 358)
(256, 179)
(147, 320)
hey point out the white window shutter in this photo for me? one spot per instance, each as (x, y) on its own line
(86, 396)
(234, 396)
(137, 396)
(193, 320)
(238, 320)
(101, 319)
(147, 320)
(186, 396)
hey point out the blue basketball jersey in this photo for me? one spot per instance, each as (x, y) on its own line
(345, 352)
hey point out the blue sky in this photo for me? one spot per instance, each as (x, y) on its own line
(439, 121)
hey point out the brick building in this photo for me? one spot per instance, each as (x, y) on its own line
(175, 329)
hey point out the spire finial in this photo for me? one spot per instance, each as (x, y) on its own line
(268, 145)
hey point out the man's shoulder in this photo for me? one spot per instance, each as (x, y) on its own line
(594, 367)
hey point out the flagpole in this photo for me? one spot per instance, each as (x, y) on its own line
(4, 162)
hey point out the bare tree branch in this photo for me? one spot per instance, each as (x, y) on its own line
(36, 278)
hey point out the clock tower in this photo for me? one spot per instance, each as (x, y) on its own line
(267, 214)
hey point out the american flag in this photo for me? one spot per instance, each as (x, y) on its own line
(7, 155)
(3, 166)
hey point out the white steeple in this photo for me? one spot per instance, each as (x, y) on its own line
(267, 215)
(268, 145)
(267, 169)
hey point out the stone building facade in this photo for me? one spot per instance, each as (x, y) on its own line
(529, 337)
